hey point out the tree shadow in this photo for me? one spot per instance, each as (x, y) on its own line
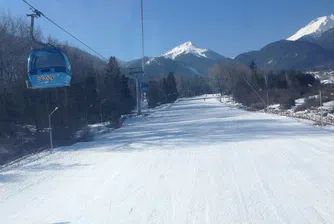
(5, 178)
(36, 167)
(187, 124)
(61, 223)
(51, 166)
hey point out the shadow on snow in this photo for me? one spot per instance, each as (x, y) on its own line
(189, 123)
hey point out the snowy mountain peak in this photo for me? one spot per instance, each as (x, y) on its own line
(185, 59)
(185, 48)
(188, 43)
(315, 28)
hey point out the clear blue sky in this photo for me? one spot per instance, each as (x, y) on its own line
(229, 27)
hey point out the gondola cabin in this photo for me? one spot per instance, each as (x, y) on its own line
(48, 68)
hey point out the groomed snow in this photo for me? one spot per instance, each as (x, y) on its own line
(315, 27)
(196, 161)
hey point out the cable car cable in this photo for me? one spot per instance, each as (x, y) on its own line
(142, 33)
(74, 37)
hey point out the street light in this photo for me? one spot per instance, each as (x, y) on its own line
(102, 102)
(50, 128)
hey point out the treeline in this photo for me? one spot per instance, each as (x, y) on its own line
(193, 86)
(258, 88)
(96, 87)
(162, 91)
(168, 89)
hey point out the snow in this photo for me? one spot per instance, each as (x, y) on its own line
(185, 48)
(315, 27)
(314, 97)
(299, 101)
(195, 161)
(327, 81)
(328, 105)
(326, 76)
(152, 60)
(274, 106)
(193, 70)
(95, 129)
(149, 61)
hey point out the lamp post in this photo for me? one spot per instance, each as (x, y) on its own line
(50, 127)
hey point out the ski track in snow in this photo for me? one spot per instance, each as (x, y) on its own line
(192, 162)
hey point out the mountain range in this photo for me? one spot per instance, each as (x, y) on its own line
(310, 49)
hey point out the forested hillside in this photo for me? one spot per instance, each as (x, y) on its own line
(96, 86)
(257, 88)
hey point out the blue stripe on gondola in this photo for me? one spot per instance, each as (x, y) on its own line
(50, 80)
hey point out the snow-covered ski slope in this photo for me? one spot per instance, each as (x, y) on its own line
(194, 162)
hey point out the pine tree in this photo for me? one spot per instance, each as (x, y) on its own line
(91, 98)
(127, 101)
(154, 94)
(257, 81)
(119, 99)
(253, 66)
(165, 90)
(171, 86)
